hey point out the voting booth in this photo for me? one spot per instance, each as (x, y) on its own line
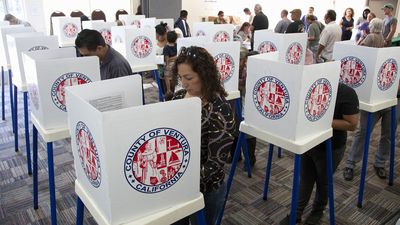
(372, 72)
(284, 100)
(131, 163)
(191, 41)
(131, 19)
(26, 42)
(148, 22)
(202, 29)
(4, 23)
(292, 47)
(169, 22)
(66, 29)
(103, 27)
(136, 45)
(50, 71)
(4, 53)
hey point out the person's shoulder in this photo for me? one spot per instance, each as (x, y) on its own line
(179, 94)
(345, 90)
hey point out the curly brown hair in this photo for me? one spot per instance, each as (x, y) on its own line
(204, 65)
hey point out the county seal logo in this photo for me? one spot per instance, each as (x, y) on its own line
(38, 48)
(225, 65)
(65, 80)
(70, 30)
(106, 33)
(88, 154)
(387, 74)
(266, 46)
(271, 97)
(141, 47)
(352, 71)
(200, 33)
(157, 160)
(318, 99)
(221, 36)
(294, 53)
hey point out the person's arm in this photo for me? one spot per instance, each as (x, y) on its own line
(348, 123)
(388, 39)
(217, 136)
(278, 27)
(341, 23)
(319, 51)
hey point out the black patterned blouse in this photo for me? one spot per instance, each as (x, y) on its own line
(217, 134)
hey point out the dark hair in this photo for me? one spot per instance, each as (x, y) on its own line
(204, 65)
(285, 12)
(84, 18)
(245, 24)
(172, 36)
(311, 7)
(246, 10)
(184, 14)
(89, 39)
(139, 10)
(331, 14)
(365, 13)
(220, 13)
(352, 12)
(311, 17)
(161, 28)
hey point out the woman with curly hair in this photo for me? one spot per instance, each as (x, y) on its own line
(199, 76)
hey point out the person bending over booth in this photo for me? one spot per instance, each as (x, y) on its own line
(200, 78)
(112, 63)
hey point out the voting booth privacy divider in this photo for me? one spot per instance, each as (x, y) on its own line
(372, 72)
(50, 71)
(169, 22)
(128, 20)
(214, 32)
(137, 45)
(66, 29)
(129, 161)
(103, 27)
(292, 47)
(148, 22)
(285, 100)
(26, 42)
(4, 52)
(4, 23)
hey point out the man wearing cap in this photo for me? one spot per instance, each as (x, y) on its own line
(297, 26)
(331, 34)
(389, 24)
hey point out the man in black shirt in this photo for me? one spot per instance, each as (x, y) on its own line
(297, 26)
(313, 162)
(112, 63)
(260, 22)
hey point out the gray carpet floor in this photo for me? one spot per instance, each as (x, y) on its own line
(245, 204)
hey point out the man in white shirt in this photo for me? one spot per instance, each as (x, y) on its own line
(331, 34)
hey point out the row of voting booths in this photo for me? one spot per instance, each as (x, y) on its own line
(124, 152)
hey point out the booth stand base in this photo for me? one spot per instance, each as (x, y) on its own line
(49, 136)
(167, 216)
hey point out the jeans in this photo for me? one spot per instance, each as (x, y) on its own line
(213, 202)
(357, 148)
(313, 170)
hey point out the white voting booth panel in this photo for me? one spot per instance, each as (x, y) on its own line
(226, 56)
(221, 32)
(169, 22)
(148, 22)
(372, 72)
(290, 102)
(4, 54)
(66, 29)
(191, 41)
(103, 27)
(202, 29)
(131, 19)
(292, 47)
(26, 42)
(132, 162)
(50, 71)
(137, 45)
(4, 23)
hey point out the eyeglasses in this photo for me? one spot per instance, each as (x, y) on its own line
(188, 52)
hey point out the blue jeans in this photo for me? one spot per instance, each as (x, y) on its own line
(213, 202)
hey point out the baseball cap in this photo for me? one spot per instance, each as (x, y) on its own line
(388, 5)
(296, 11)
